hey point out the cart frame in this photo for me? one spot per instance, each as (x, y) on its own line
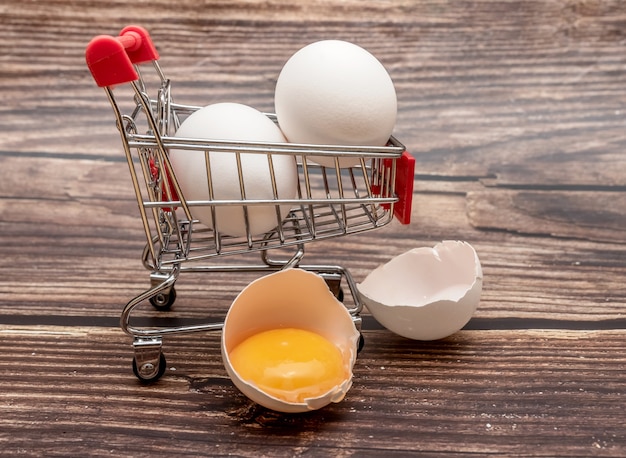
(331, 201)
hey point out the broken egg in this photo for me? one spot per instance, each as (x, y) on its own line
(425, 293)
(288, 344)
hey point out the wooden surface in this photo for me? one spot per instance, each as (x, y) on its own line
(516, 113)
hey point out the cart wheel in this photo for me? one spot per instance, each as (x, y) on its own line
(361, 343)
(164, 301)
(154, 377)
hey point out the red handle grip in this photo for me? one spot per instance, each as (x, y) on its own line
(111, 59)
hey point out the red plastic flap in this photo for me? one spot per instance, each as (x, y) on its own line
(405, 174)
(108, 62)
(154, 171)
(143, 49)
(110, 59)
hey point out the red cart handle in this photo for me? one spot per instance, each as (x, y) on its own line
(111, 59)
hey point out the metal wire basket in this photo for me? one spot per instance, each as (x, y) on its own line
(330, 202)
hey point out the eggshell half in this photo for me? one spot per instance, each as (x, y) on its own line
(234, 122)
(290, 298)
(425, 293)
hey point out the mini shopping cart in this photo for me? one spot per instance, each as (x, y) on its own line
(330, 202)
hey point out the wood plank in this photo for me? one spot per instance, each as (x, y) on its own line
(69, 391)
(541, 87)
(599, 216)
(90, 249)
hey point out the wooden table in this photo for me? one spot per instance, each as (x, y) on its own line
(516, 114)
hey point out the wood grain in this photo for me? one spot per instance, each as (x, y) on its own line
(515, 112)
(595, 215)
(477, 393)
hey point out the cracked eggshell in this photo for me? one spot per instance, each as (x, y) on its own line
(290, 298)
(425, 293)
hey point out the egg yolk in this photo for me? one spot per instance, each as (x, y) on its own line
(290, 364)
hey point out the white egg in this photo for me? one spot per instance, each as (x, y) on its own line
(291, 298)
(234, 122)
(425, 293)
(334, 92)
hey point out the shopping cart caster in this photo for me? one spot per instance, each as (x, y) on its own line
(165, 298)
(164, 301)
(149, 362)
